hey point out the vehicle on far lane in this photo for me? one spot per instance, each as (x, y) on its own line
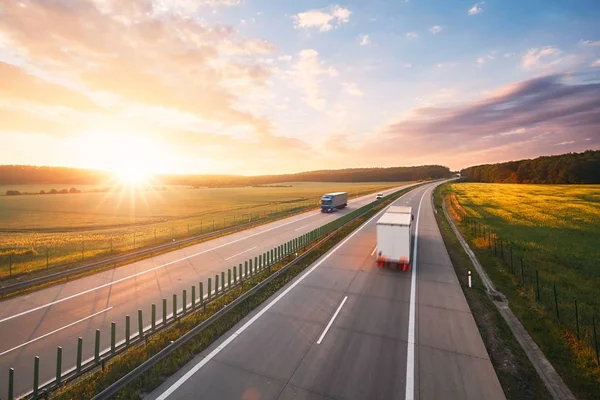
(334, 201)
(379, 196)
(394, 237)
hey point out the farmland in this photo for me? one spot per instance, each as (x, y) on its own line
(42, 231)
(545, 260)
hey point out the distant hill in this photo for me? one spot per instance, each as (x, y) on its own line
(566, 168)
(23, 175)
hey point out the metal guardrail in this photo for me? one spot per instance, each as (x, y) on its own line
(251, 269)
(128, 256)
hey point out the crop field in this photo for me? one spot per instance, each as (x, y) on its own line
(545, 260)
(42, 231)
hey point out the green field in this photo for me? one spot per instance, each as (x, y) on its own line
(42, 231)
(553, 230)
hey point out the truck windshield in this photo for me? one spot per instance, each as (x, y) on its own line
(325, 202)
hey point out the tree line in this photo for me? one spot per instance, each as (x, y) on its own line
(23, 175)
(581, 168)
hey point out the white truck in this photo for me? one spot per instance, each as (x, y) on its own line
(334, 201)
(394, 239)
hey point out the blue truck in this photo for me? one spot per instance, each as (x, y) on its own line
(334, 201)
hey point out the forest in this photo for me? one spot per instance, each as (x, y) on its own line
(581, 168)
(24, 175)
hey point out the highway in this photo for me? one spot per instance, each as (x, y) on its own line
(36, 324)
(346, 329)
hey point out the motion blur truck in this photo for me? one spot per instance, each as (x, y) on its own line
(394, 237)
(334, 201)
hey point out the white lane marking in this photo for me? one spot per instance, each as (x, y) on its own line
(331, 320)
(410, 354)
(216, 351)
(54, 331)
(302, 227)
(245, 251)
(375, 249)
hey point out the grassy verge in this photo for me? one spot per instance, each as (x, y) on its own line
(518, 377)
(120, 365)
(546, 233)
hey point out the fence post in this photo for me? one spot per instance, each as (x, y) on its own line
(153, 317)
(209, 288)
(113, 336)
(11, 383)
(164, 309)
(193, 296)
(222, 281)
(577, 318)
(140, 325)
(174, 307)
(228, 278)
(127, 330)
(537, 284)
(36, 376)
(216, 285)
(58, 365)
(522, 274)
(97, 346)
(79, 353)
(202, 293)
(184, 300)
(246, 272)
(596, 341)
(556, 302)
(235, 275)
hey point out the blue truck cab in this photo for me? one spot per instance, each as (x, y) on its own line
(333, 201)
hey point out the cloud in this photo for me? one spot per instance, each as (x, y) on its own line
(407, 65)
(538, 58)
(476, 9)
(325, 19)
(364, 40)
(285, 58)
(596, 64)
(436, 29)
(352, 89)
(589, 43)
(308, 73)
(412, 35)
(529, 116)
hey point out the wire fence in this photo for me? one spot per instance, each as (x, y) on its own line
(558, 302)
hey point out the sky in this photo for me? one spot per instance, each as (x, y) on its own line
(252, 87)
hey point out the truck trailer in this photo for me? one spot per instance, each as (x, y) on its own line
(394, 239)
(334, 201)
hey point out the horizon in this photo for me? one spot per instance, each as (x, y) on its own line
(254, 88)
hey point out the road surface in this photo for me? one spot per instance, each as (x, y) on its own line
(37, 323)
(345, 329)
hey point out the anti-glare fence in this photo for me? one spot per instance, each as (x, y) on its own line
(136, 329)
(559, 303)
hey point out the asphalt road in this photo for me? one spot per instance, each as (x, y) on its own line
(37, 323)
(345, 329)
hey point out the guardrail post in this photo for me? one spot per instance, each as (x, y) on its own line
(260, 261)
(36, 376)
(201, 293)
(79, 353)
(153, 317)
(228, 278)
(164, 309)
(216, 285)
(97, 346)
(234, 275)
(140, 325)
(58, 365)
(11, 384)
(174, 307)
(184, 301)
(113, 337)
(246, 271)
(127, 329)
(193, 296)
(222, 281)
(209, 289)
(246, 264)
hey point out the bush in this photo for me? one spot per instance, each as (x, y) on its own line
(13, 193)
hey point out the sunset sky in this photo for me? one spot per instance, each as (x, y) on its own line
(260, 87)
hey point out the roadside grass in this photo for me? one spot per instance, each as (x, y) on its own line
(95, 382)
(45, 231)
(555, 229)
(516, 374)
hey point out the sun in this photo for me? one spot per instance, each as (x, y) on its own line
(133, 176)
